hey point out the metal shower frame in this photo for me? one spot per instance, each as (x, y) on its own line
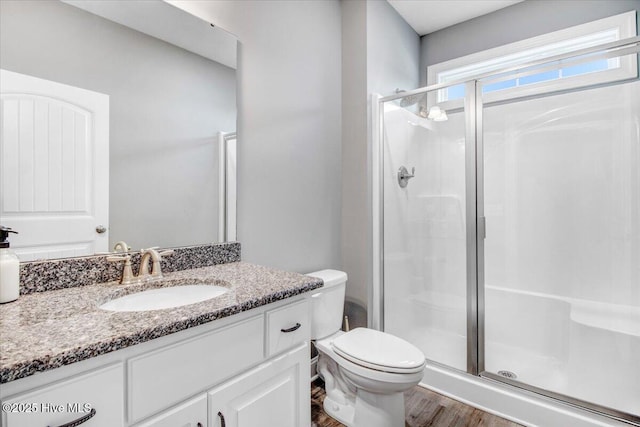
(474, 207)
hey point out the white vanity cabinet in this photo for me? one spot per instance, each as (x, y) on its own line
(96, 397)
(192, 413)
(252, 367)
(273, 394)
(167, 376)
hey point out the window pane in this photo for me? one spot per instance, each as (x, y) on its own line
(499, 85)
(455, 92)
(588, 67)
(535, 78)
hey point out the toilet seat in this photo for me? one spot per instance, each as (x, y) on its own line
(379, 351)
(393, 379)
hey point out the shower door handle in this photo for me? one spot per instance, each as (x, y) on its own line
(482, 228)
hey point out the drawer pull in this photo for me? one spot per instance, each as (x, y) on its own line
(222, 423)
(80, 420)
(291, 329)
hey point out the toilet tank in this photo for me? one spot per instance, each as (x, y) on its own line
(327, 303)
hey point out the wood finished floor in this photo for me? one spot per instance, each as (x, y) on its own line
(423, 408)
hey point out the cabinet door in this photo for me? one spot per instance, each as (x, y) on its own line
(96, 397)
(169, 375)
(192, 413)
(276, 393)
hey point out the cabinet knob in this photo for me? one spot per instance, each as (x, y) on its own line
(291, 329)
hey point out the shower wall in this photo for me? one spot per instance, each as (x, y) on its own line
(424, 234)
(562, 251)
(562, 195)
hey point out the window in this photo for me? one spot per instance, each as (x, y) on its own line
(548, 79)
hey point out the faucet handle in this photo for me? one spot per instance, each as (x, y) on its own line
(127, 271)
(156, 270)
(165, 253)
(116, 258)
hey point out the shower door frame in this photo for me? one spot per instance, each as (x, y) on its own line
(474, 211)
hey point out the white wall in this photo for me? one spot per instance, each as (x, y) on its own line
(289, 128)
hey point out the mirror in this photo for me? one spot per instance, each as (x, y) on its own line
(163, 85)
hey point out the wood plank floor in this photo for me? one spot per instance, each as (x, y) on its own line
(423, 408)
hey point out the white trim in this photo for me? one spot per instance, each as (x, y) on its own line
(375, 306)
(231, 161)
(563, 41)
(222, 187)
(227, 191)
(522, 407)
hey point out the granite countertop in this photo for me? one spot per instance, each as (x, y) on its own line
(46, 330)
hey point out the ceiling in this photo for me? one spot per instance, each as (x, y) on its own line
(427, 16)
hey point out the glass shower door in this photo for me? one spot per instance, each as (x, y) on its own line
(424, 251)
(562, 250)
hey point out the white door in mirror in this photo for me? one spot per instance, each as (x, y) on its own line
(55, 167)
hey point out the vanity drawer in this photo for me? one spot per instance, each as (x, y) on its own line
(62, 402)
(189, 414)
(287, 326)
(167, 376)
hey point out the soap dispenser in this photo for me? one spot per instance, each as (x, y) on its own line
(9, 268)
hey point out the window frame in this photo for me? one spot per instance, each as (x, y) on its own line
(570, 39)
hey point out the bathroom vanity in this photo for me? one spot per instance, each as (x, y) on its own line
(240, 359)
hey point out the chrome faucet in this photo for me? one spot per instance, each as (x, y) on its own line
(156, 271)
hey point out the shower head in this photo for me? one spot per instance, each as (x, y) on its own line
(409, 100)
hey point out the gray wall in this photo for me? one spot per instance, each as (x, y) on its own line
(521, 21)
(166, 106)
(355, 212)
(306, 71)
(380, 53)
(393, 50)
(289, 138)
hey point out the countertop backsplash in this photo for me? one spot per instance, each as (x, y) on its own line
(47, 275)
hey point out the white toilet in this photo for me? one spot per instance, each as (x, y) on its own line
(365, 371)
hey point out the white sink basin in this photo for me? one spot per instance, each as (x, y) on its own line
(169, 297)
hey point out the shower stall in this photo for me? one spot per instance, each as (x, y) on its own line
(512, 255)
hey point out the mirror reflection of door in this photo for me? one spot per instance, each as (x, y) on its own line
(227, 192)
(54, 155)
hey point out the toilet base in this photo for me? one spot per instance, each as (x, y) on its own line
(354, 406)
(371, 410)
(340, 412)
(379, 410)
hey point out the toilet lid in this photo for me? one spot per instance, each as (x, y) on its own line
(379, 350)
